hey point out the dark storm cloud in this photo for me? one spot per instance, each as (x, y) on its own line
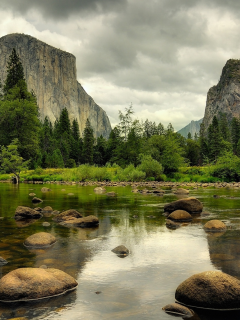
(61, 9)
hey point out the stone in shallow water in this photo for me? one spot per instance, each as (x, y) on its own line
(172, 225)
(121, 250)
(26, 213)
(180, 191)
(32, 194)
(66, 215)
(36, 200)
(44, 189)
(210, 289)
(34, 283)
(180, 215)
(3, 261)
(85, 222)
(191, 205)
(178, 309)
(40, 240)
(215, 226)
(47, 209)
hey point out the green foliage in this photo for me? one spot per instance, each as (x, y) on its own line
(88, 142)
(10, 161)
(130, 173)
(14, 72)
(152, 168)
(227, 167)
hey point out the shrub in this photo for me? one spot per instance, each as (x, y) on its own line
(151, 167)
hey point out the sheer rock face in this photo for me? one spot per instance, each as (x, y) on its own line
(51, 73)
(225, 96)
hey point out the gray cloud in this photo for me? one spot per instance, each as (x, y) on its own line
(61, 9)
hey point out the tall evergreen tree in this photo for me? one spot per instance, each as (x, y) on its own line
(14, 72)
(235, 133)
(88, 143)
(214, 139)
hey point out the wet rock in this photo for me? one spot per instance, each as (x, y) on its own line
(36, 200)
(191, 205)
(34, 283)
(47, 209)
(178, 309)
(70, 194)
(86, 222)
(3, 261)
(66, 215)
(44, 189)
(215, 226)
(32, 194)
(100, 190)
(158, 191)
(180, 215)
(40, 240)
(135, 190)
(180, 191)
(172, 225)
(210, 289)
(46, 224)
(216, 196)
(38, 209)
(43, 266)
(55, 212)
(111, 194)
(25, 223)
(26, 213)
(121, 250)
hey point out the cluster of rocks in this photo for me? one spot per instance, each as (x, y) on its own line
(213, 290)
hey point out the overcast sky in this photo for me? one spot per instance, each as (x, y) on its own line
(160, 55)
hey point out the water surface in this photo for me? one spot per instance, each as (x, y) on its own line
(134, 287)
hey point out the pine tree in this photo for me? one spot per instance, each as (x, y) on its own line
(214, 139)
(64, 122)
(19, 115)
(235, 133)
(14, 72)
(203, 144)
(88, 142)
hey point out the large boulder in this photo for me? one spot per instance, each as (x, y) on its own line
(86, 222)
(66, 215)
(180, 215)
(40, 240)
(34, 283)
(215, 226)
(210, 289)
(26, 213)
(191, 205)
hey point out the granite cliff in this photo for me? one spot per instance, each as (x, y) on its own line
(51, 73)
(225, 96)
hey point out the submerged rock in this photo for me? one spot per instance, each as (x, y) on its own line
(180, 191)
(26, 213)
(111, 194)
(40, 240)
(34, 283)
(3, 261)
(121, 250)
(215, 226)
(172, 225)
(36, 200)
(100, 190)
(32, 194)
(44, 189)
(47, 209)
(66, 215)
(191, 205)
(178, 309)
(85, 222)
(210, 289)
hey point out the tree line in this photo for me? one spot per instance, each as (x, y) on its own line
(60, 144)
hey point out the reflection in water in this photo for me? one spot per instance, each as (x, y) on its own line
(136, 287)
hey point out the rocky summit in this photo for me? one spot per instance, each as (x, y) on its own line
(225, 96)
(51, 73)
